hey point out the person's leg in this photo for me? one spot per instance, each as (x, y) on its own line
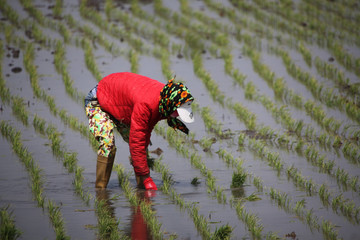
(101, 126)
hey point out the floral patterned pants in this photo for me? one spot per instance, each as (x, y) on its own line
(102, 126)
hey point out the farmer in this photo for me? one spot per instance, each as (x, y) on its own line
(133, 104)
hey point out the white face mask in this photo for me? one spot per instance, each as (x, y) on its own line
(185, 112)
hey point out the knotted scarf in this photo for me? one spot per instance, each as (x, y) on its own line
(171, 97)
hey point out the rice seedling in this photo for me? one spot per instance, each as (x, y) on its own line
(195, 181)
(305, 52)
(57, 220)
(223, 232)
(206, 143)
(251, 220)
(18, 107)
(324, 194)
(287, 139)
(36, 178)
(238, 179)
(329, 230)
(108, 226)
(258, 184)
(282, 199)
(250, 90)
(145, 206)
(8, 229)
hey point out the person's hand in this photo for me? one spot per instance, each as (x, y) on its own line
(149, 184)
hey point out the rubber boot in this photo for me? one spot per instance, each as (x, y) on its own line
(104, 167)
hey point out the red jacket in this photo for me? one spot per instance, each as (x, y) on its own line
(134, 100)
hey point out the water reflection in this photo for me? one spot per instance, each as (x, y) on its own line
(238, 192)
(139, 229)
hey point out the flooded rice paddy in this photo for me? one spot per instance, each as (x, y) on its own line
(273, 154)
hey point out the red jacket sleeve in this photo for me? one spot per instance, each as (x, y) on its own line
(140, 132)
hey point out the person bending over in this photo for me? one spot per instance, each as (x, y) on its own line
(133, 104)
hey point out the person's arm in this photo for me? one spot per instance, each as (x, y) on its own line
(140, 131)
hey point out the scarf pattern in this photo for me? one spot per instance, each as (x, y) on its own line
(171, 97)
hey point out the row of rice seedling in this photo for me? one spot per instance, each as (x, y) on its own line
(311, 187)
(8, 229)
(295, 127)
(279, 87)
(177, 141)
(324, 95)
(318, 114)
(343, 17)
(95, 17)
(70, 163)
(224, 232)
(212, 125)
(156, 36)
(36, 177)
(320, 28)
(209, 32)
(149, 215)
(331, 72)
(308, 183)
(69, 159)
(206, 78)
(61, 68)
(151, 218)
(90, 60)
(284, 201)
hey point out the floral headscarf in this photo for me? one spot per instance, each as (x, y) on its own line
(171, 97)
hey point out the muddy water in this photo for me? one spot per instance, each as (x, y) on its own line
(81, 220)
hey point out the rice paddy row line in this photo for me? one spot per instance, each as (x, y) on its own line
(351, 150)
(249, 119)
(331, 41)
(317, 89)
(69, 158)
(328, 122)
(350, 211)
(98, 204)
(88, 13)
(322, 161)
(8, 229)
(329, 71)
(36, 177)
(284, 201)
(325, 15)
(145, 206)
(346, 206)
(61, 68)
(342, 10)
(256, 28)
(199, 220)
(219, 196)
(177, 141)
(309, 185)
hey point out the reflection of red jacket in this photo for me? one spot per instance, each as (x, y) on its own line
(134, 100)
